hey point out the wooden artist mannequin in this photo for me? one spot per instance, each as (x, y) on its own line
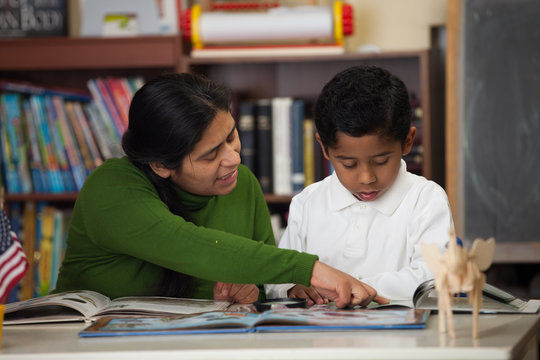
(459, 271)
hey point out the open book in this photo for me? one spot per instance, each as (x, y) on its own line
(316, 318)
(494, 300)
(85, 305)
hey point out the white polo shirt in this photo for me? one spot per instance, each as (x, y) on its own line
(377, 242)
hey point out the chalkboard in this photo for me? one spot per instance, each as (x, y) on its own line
(500, 127)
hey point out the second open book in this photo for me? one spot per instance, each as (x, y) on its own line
(494, 300)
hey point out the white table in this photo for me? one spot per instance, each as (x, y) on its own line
(505, 336)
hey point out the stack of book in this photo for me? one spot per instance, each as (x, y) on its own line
(53, 138)
(42, 229)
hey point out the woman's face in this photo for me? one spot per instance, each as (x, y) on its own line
(212, 167)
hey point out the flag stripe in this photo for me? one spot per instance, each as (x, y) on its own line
(17, 257)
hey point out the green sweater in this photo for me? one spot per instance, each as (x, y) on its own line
(122, 236)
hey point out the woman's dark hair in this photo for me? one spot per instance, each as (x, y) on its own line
(167, 117)
(363, 100)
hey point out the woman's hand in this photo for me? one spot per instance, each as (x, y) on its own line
(342, 288)
(308, 293)
(238, 293)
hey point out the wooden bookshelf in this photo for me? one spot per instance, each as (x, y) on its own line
(71, 61)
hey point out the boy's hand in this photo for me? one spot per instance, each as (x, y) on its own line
(238, 293)
(309, 293)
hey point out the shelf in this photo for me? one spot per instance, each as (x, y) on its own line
(187, 60)
(64, 197)
(90, 53)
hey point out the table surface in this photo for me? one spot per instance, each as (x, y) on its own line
(501, 336)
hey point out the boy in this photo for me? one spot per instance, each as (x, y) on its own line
(370, 216)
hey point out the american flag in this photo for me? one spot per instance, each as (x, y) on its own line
(13, 263)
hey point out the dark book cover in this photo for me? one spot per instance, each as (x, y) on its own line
(263, 120)
(247, 133)
(297, 145)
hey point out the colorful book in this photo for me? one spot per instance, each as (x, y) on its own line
(28, 239)
(59, 145)
(46, 144)
(247, 133)
(37, 169)
(263, 119)
(79, 136)
(76, 165)
(103, 109)
(108, 143)
(297, 146)
(281, 145)
(316, 318)
(87, 134)
(103, 96)
(309, 151)
(44, 269)
(11, 177)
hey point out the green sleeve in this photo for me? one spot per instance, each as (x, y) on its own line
(124, 215)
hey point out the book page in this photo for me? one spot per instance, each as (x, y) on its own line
(160, 306)
(66, 306)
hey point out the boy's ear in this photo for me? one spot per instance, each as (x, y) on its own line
(160, 170)
(322, 146)
(409, 141)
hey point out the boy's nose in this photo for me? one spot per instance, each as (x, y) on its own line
(366, 176)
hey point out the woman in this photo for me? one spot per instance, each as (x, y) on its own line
(179, 216)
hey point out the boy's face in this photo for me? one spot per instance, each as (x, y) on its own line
(367, 165)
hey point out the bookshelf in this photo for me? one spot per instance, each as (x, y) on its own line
(69, 62)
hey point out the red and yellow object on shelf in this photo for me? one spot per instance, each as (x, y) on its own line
(265, 28)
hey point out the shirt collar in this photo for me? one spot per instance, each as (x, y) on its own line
(341, 198)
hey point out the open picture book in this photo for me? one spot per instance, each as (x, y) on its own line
(85, 305)
(315, 318)
(494, 300)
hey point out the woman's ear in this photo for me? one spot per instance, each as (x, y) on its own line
(160, 170)
(409, 141)
(322, 146)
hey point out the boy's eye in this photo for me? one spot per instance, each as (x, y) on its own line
(380, 162)
(348, 166)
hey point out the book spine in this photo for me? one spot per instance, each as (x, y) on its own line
(264, 144)
(37, 170)
(102, 107)
(120, 97)
(87, 134)
(77, 131)
(309, 151)
(109, 102)
(46, 145)
(74, 158)
(297, 146)
(29, 243)
(59, 145)
(281, 145)
(246, 130)
(104, 130)
(11, 179)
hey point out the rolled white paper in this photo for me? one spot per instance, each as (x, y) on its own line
(282, 23)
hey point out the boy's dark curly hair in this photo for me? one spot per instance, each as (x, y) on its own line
(363, 100)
